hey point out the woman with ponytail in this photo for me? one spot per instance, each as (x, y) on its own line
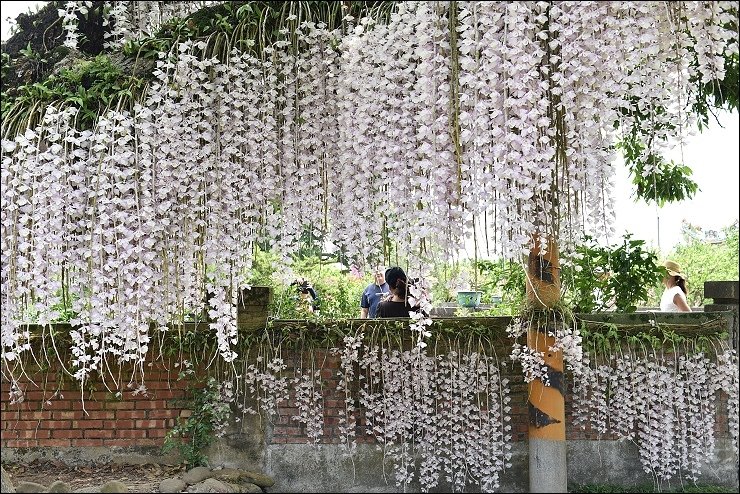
(397, 304)
(674, 296)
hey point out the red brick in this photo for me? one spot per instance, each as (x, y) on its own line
(59, 404)
(8, 434)
(151, 405)
(130, 434)
(56, 424)
(21, 443)
(44, 415)
(118, 424)
(89, 405)
(26, 424)
(37, 395)
(164, 414)
(54, 443)
(165, 394)
(67, 434)
(87, 424)
(34, 434)
(5, 416)
(150, 424)
(68, 415)
(156, 433)
(93, 434)
(101, 415)
(119, 405)
(125, 414)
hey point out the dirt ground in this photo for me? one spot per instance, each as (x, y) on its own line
(138, 478)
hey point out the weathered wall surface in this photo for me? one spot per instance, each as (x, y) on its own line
(130, 428)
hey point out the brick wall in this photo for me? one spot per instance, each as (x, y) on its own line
(56, 416)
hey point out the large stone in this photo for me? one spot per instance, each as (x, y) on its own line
(230, 474)
(172, 485)
(6, 484)
(59, 486)
(87, 489)
(30, 487)
(114, 486)
(260, 479)
(251, 488)
(213, 485)
(197, 474)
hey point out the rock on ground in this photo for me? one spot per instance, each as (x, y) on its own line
(59, 486)
(5, 482)
(213, 485)
(114, 486)
(251, 488)
(260, 479)
(197, 474)
(30, 487)
(87, 489)
(172, 485)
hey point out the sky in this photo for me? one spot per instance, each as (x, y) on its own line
(713, 155)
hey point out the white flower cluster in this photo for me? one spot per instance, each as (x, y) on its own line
(128, 19)
(438, 418)
(450, 412)
(410, 130)
(420, 318)
(69, 21)
(665, 404)
(567, 339)
(310, 403)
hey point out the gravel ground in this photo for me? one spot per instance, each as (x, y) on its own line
(138, 478)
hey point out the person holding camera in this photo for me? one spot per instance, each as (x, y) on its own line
(307, 295)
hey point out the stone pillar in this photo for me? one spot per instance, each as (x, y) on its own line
(725, 295)
(253, 307)
(547, 449)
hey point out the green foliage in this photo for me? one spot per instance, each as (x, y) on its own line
(667, 182)
(505, 279)
(500, 281)
(714, 94)
(250, 25)
(597, 278)
(195, 433)
(338, 292)
(703, 259)
(90, 85)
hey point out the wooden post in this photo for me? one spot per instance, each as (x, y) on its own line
(547, 448)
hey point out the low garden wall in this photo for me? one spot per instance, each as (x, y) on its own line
(126, 420)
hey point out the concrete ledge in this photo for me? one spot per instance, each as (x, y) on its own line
(80, 456)
(726, 290)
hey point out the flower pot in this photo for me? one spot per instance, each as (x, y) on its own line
(468, 299)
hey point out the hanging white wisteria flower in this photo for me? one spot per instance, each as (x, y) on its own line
(665, 403)
(406, 132)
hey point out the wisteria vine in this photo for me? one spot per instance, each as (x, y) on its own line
(411, 129)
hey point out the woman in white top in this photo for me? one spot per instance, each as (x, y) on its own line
(674, 296)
